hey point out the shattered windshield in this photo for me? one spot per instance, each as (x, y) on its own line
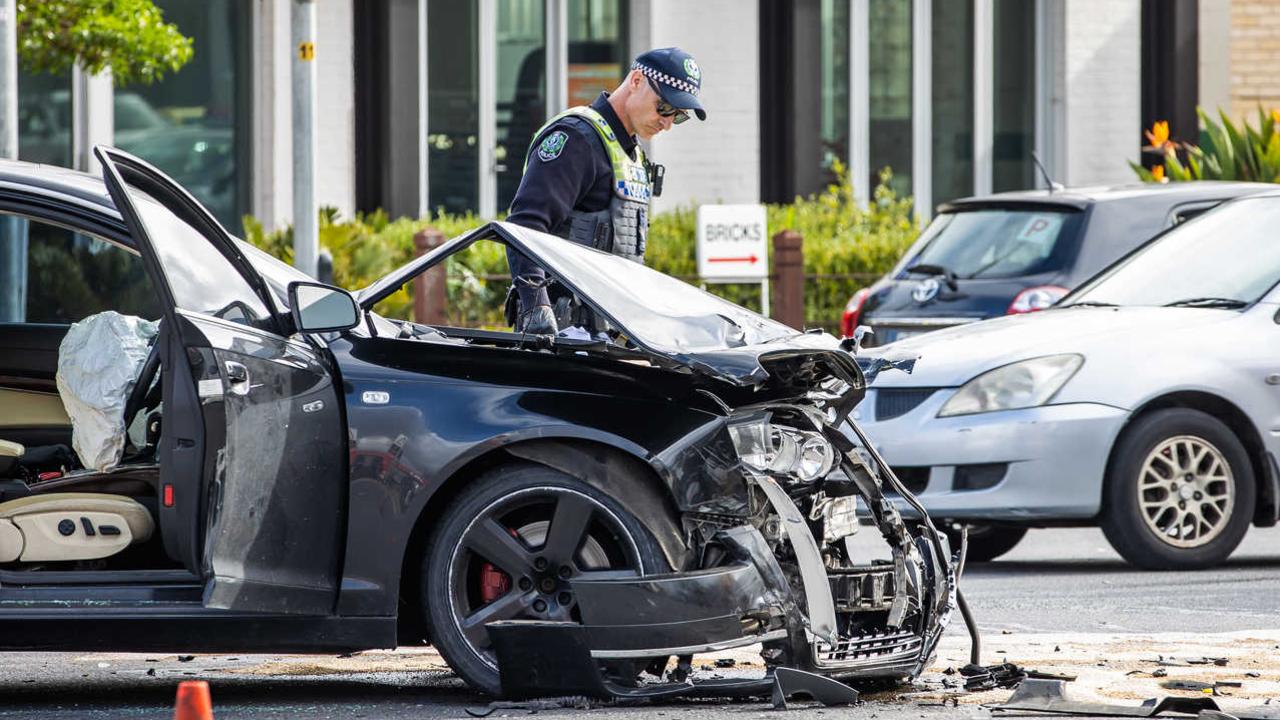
(1226, 258)
(656, 310)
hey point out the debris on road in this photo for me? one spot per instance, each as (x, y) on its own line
(572, 702)
(1050, 696)
(1199, 685)
(989, 677)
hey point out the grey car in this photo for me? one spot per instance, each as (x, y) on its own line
(1019, 252)
(1147, 402)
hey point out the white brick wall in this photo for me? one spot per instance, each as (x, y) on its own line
(717, 160)
(1103, 99)
(335, 98)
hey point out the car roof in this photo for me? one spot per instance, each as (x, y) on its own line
(1080, 198)
(84, 187)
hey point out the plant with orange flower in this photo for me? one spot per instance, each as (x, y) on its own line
(1225, 151)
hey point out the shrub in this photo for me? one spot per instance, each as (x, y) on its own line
(1225, 152)
(845, 248)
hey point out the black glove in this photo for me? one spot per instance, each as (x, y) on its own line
(537, 320)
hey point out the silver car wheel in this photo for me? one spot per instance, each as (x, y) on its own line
(1186, 491)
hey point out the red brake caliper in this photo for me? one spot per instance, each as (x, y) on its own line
(493, 583)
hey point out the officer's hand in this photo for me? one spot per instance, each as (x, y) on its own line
(538, 320)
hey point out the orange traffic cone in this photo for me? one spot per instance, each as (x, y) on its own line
(193, 701)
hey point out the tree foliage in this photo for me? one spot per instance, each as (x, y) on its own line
(130, 37)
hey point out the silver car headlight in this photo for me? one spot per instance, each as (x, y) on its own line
(801, 455)
(1029, 383)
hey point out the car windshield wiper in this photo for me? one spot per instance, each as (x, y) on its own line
(1088, 303)
(932, 269)
(1208, 302)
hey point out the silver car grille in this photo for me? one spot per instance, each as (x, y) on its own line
(895, 402)
(871, 649)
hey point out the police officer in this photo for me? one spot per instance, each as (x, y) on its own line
(587, 180)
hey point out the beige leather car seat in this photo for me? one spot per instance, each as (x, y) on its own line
(70, 526)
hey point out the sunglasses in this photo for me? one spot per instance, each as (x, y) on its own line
(666, 109)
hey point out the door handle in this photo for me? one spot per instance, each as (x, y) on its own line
(237, 377)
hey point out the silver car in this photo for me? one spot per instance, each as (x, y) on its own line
(1147, 402)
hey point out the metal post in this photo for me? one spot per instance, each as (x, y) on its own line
(424, 154)
(557, 56)
(13, 245)
(306, 238)
(860, 99)
(92, 116)
(9, 80)
(983, 94)
(487, 26)
(922, 108)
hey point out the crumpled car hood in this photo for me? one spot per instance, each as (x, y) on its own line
(669, 320)
(672, 319)
(952, 357)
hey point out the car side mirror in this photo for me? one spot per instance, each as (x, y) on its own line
(322, 308)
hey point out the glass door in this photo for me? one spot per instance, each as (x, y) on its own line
(453, 106)
(488, 74)
(521, 89)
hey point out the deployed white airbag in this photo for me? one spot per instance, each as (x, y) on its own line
(98, 363)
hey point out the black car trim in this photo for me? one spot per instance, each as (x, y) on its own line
(183, 628)
(1059, 204)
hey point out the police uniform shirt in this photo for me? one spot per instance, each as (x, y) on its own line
(563, 175)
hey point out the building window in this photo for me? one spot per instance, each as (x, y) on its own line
(44, 118)
(521, 88)
(61, 276)
(835, 84)
(952, 98)
(598, 56)
(1013, 122)
(453, 100)
(195, 124)
(889, 89)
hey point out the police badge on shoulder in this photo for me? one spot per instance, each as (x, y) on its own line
(552, 145)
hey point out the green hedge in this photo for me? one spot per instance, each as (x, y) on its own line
(844, 245)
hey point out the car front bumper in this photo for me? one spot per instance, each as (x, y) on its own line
(1051, 460)
(809, 617)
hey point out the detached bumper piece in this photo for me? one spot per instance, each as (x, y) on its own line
(539, 659)
(1050, 697)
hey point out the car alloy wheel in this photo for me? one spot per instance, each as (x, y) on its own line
(532, 544)
(1180, 491)
(1186, 491)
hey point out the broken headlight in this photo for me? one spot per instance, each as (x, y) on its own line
(801, 455)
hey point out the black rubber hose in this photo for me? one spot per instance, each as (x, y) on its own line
(975, 642)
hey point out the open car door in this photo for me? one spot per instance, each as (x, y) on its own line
(252, 450)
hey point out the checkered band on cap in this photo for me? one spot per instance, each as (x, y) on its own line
(662, 77)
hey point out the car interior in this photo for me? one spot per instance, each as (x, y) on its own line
(56, 514)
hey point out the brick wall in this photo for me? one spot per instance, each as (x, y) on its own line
(717, 160)
(1255, 50)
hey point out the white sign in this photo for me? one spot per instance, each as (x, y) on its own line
(731, 243)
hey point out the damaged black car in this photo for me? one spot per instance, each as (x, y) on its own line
(211, 452)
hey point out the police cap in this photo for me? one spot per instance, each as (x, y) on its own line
(677, 76)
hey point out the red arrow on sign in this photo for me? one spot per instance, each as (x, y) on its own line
(750, 259)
